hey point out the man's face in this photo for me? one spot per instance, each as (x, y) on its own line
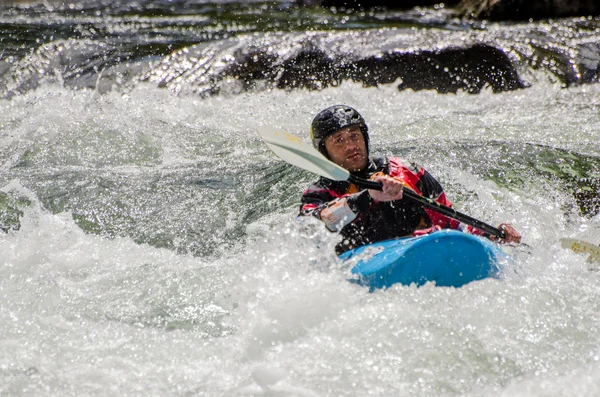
(347, 148)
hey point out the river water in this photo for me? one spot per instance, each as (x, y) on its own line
(150, 243)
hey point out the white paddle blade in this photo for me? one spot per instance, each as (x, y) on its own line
(581, 247)
(292, 150)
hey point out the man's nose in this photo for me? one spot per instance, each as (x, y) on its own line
(351, 144)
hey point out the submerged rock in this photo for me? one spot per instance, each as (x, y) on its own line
(468, 69)
(11, 210)
(587, 193)
(520, 10)
(321, 60)
(501, 57)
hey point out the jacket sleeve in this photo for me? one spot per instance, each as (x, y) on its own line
(318, 198)
(314, 199)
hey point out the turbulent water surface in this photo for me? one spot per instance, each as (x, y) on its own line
(149, 244)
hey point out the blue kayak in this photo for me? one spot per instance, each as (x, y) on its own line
(449, 258)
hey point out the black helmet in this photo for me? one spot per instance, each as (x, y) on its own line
(333, 119)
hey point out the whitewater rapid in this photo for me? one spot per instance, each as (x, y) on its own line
(158, 250)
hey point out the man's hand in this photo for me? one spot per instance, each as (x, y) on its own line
(392, 189)
(510, 234)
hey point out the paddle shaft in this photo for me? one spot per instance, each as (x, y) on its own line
(433, 205)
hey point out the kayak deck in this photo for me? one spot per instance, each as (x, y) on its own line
(449, 258)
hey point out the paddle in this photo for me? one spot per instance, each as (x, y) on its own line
(581, 247)
(292, 150)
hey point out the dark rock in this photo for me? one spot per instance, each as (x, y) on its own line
(519, 10)
(392, 4)
(252, 66)
(450, 70)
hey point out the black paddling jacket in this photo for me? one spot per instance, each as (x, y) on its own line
(377, 221)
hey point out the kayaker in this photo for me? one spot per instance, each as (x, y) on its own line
(366, 216)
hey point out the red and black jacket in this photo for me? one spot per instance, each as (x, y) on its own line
(377, 221)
